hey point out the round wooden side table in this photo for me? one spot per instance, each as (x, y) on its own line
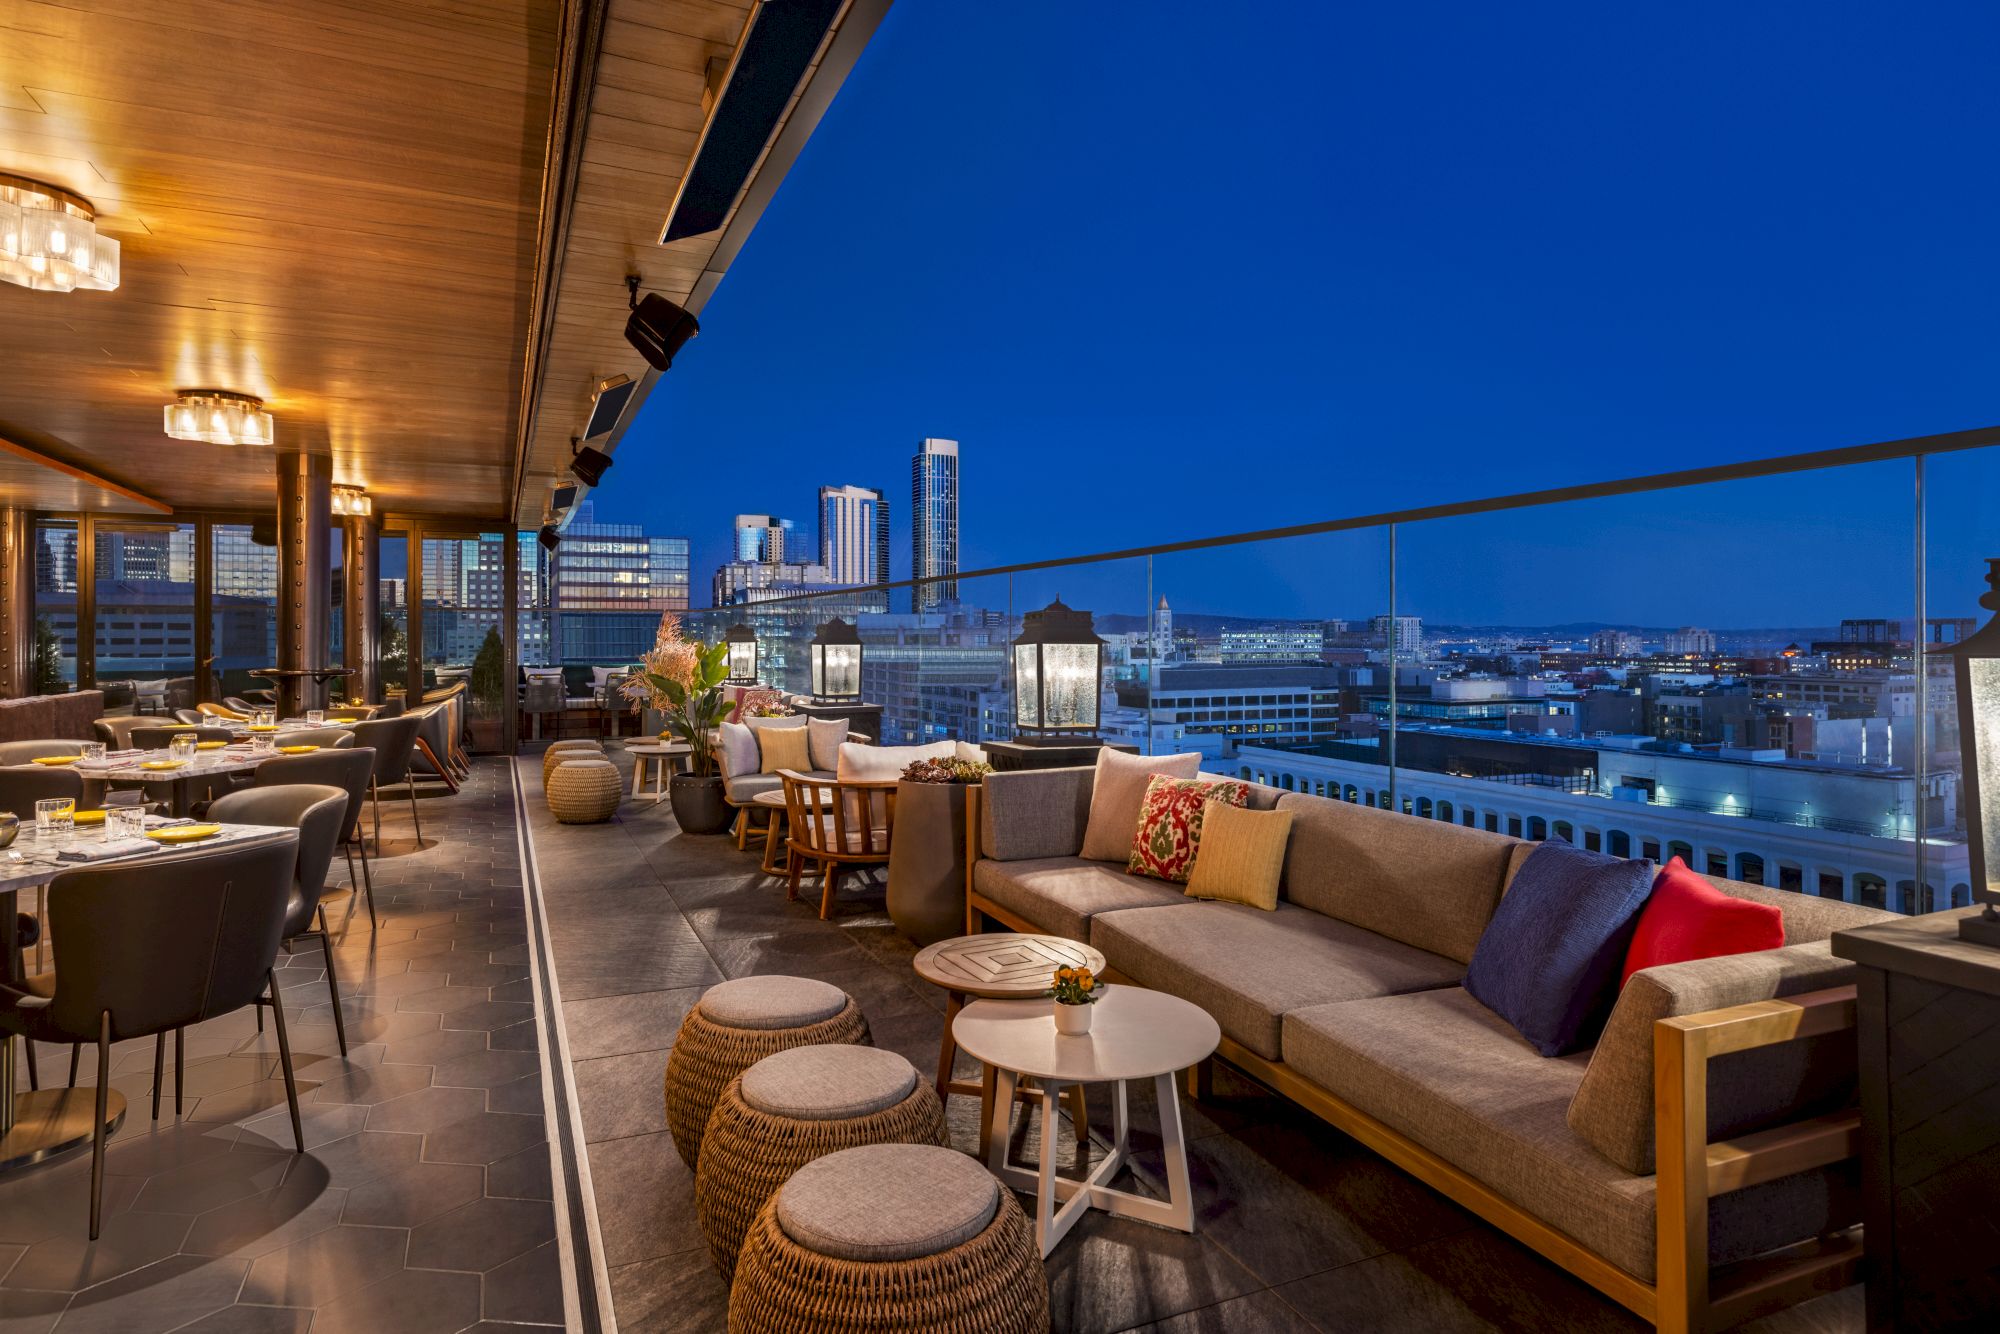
(1134, 1034)
(662, 757)
(999, 966)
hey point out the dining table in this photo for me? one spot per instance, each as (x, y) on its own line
(178, 786)
(37, 1125)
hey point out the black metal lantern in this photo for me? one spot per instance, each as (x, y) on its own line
(1976, 665)
(1058, 668)
(742, 641)
(836, 663)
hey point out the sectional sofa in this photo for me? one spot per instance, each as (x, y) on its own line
(1697, 1166)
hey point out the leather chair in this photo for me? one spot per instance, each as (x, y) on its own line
(319, 812)
(157, 737)
(392, 709)
(116, 733)
(20, 788)
(394, 741)
(348, 768)
(27, 752)
(434, 745)
(189, 715)
(234, 715)
(146, 947)
(327, 738)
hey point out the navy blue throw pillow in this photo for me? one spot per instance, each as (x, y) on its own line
(1549, 960)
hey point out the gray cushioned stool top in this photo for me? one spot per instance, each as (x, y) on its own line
(828, 1082)
(772, 1002)
(887, 1202)
(585, 760)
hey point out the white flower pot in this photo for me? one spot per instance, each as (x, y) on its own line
(1072, 1021)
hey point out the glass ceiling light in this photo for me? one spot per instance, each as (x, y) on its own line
(49, 240)
(218, 417)
(353, 501)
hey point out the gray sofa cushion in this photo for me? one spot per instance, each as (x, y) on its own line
(1061, 894)
(749, 785)
(1423, 882)
(1247, 967)
(1613, 1108)
(1033, 813)
(1450, 1074)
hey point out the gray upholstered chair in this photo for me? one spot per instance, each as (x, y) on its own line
(327, 738)
(348, 768)
(393, 740)
(117, 732)
(157, 737)
(146, 947)
(27, 752)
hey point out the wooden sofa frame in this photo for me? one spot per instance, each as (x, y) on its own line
(1688, 1297)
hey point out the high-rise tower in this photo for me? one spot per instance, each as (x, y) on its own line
(934, 522)
(854, 534)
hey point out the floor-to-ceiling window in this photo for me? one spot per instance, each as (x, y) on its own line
(463, 605)
(55, 606)
(243, 607)
(143, 617)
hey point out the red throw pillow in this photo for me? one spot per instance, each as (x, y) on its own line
(1169, 832)
(1688, 918)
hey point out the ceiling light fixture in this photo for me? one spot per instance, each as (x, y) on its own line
(353, 501)
(49, 240)
(218, 417)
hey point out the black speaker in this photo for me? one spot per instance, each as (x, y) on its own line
(658, 327)
(549, 537)
(590, 465)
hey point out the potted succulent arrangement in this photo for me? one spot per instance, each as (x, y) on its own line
(683, 679)
(1074, 992)
(927, 856)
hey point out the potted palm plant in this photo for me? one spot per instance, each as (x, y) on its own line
(683, 680)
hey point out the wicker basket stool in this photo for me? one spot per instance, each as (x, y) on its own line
(737, 1024)
(791, 1108)
(902, 1237)
(558, 751)
(585, 791)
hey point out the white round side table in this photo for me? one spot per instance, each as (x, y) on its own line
(1134, 1034)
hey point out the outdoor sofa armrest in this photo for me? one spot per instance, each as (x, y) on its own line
(1033, 813)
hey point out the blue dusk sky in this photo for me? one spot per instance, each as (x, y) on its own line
(1168, 271)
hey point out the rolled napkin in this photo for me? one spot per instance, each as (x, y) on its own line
(112, 847)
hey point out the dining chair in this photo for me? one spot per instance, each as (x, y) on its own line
(394, 741)
(117, 732)
(241, 705)
(837, 825)
(189, 715)
(233, 714)
(159, 737)
(391, 708)
(27, 752)
(149, 946)
(434, 744)
(348, 768)
(20, 788)
(319, 812)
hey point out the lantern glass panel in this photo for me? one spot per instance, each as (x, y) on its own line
(1984, 677)
(743, 660)
(1069, 693)
(840, 670)
(1027, 678)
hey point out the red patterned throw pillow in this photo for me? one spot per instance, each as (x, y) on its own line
(1169, 832)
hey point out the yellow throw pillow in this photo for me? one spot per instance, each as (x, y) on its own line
(1241, 856)
(784, 748)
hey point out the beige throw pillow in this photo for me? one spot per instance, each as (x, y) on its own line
(785, 748)
(1118, 792)
(1241, 855)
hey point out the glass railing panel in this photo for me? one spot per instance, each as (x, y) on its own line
(1718, 673)
(1273, 659)
(1961, 499)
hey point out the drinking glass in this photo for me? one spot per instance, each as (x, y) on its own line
(315, 716)
(92, 752)
(267, 717)
(182, 747)
(263, 743)
(55, 818)
(124, 822)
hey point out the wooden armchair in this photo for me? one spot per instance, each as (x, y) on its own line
(835, 825)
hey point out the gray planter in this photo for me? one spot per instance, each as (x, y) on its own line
(698, 804)
(927, 862)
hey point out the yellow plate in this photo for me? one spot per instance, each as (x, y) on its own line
(261, 727)
(157, 765)
(210, 745)
(90, 817)
(296, 750)
(57, 759)
(184, 833)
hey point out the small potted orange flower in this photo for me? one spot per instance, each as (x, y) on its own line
(1074, 992)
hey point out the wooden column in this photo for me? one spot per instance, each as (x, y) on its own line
(17, 602)
(305, 522)
(361, 605)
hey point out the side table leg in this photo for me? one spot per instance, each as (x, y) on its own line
(1173, 1148)
(997, 1102)
(948, 1045)
(1045, 1172)
(1079, 1120)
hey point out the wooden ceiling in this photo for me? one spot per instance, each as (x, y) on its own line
(339, 208)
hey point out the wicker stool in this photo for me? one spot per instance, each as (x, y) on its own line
(585, 791)
(737, 1024)
(791, 1108)
(890, 1237)
(559, 750)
